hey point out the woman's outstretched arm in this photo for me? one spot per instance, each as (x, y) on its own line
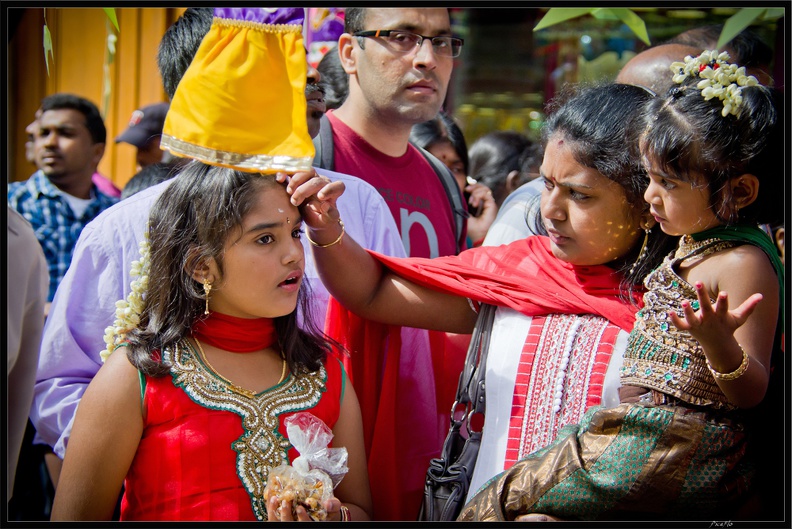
(356, 279)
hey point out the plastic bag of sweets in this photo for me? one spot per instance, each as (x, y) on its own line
(310, 479)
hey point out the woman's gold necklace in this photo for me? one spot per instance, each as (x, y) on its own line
(242, 391)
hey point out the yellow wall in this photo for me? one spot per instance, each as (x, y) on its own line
(79, 40)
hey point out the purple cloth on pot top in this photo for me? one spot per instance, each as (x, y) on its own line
(286, 15)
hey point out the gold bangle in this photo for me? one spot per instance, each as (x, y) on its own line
(737, 373)
(345, 515)
(331, 243)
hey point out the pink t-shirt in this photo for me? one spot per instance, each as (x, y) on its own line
(408, 184)
(104, 185)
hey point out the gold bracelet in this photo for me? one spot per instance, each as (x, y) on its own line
(737, 373)
(345, 515)
(331, 243)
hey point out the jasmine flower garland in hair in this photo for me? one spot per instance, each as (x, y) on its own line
(718, 78)
(128, 311)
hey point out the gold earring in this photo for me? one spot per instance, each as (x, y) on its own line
(642, 253)
(207, 286)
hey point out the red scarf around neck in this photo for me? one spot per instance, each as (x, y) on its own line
(237, 335)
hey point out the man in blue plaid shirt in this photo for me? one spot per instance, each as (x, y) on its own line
(60, 198)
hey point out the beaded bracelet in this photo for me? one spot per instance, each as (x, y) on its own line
(345, 515)
(330, 243)
(737, 373)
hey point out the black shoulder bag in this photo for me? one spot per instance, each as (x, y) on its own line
(448, 477)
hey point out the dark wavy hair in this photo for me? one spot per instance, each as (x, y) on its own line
(148, 176)
(688, 137)
(495, 155)
(335, 80)
(93, 118)
(602, 123)
(189, 223)
(180, 43)
(439, 129)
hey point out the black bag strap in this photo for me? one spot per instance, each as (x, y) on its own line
(455, 197)
(323, 143)
(471, 387)
(448, 477)
(477, 357)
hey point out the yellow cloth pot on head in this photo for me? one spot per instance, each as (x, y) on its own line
(241, 103)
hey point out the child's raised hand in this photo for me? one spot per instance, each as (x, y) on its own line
(315, 195)
(709, 323)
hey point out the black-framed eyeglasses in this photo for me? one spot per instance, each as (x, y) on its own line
(406, 41)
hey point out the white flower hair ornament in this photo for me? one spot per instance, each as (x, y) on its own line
(718, 78)
(128, 311)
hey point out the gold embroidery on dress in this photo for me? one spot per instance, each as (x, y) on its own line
(689, 247)
(261, 447)
(660, 356)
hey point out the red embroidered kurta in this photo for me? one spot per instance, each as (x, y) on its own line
(206, 451)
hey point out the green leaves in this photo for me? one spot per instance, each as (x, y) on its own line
(744, 18)
(47, 43)
(110, 53)
(634, 22)
(557, 15)
(732, 27)
(561, 14)
(47, 47)
(111, 14)
(738, 22)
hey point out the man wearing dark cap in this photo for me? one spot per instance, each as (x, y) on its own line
(144, 132)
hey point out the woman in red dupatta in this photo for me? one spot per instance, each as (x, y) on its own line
(566, 301)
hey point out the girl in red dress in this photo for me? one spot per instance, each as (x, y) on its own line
(191, 419)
